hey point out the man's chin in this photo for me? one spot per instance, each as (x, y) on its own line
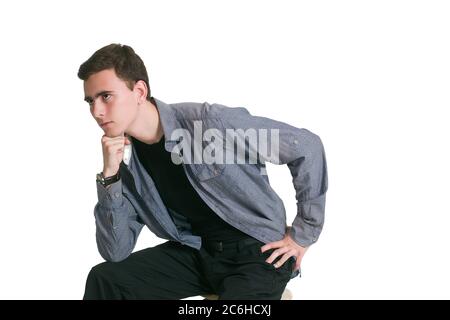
(113, 133)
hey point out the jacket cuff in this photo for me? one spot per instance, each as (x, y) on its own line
(309, 221)
(110, 197)
(303, 234)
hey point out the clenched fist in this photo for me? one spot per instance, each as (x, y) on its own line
(113, 150)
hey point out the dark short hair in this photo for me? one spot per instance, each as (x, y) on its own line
(126, 63)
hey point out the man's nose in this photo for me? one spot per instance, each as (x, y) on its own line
(98, 109)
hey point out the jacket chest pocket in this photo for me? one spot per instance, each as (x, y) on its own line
(205, 172)
(203, 153)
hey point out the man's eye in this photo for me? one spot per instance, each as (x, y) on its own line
(106, 96)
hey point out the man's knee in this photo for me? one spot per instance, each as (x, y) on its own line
(103, 282)
(105, 270)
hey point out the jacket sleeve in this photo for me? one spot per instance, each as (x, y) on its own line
(117, 223)
(303, 152)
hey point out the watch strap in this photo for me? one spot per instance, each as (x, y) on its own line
(105, 181)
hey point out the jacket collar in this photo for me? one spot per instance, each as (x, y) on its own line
(168, 121)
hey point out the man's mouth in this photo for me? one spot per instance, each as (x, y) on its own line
(105, 123)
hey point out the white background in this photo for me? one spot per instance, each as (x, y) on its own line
(371, 78)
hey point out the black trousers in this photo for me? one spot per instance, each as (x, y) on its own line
(232, 270)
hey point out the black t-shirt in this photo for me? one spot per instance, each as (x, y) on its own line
(178, 194)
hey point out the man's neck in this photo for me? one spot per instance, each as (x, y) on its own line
(147, 125)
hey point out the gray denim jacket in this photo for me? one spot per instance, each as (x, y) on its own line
(239, 193)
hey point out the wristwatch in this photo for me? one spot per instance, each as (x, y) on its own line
(106, 181)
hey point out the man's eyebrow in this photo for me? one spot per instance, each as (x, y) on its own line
(98, 94)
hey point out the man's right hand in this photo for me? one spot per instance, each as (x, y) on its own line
(113, 150)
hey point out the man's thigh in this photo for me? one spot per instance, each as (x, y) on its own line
(167, 271)
(247, 275)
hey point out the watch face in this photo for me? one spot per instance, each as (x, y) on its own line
(99, 177)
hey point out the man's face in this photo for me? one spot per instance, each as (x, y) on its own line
(111, 101)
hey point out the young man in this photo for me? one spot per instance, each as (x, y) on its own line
(195, 175)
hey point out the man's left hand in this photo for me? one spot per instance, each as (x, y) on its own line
(285, 248)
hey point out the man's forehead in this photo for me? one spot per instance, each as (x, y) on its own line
(104, 76)
(105, 80)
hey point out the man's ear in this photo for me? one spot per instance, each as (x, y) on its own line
(141, 90)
